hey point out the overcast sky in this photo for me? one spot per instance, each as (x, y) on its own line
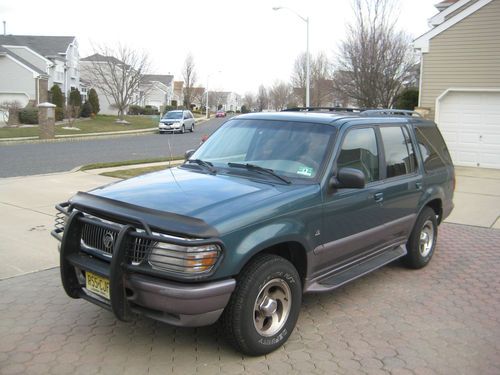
(246, 40)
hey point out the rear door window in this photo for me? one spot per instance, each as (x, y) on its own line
(399, 153)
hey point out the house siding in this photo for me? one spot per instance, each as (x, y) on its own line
(14, 78)
(465, 55)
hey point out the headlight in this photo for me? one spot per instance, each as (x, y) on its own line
(187, 260)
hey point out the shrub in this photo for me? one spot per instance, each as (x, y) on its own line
(59, 114)
(168, 108)
(75, 99)
(150, 110)
(174, 103)
(28, 115)
(56, 96)
(86, 109)
(135, 110)
(244, 109)
(408, 99)
(94, 101)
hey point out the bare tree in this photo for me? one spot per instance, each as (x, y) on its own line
(262, 98)
(249, 101)
(190, 77)
(9, 111)
(375, 59)
(299, 78)
(280, 95)
(116, 72)
(198, 96)
(320, 85)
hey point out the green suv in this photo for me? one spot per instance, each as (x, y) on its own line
(271, 206)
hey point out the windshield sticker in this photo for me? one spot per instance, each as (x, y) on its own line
(305, 171)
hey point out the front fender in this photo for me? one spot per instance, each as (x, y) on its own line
(246, 244)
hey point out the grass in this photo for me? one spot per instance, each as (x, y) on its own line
(128, 162)
(99, 124)
(133, 172)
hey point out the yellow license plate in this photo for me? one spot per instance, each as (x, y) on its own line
(97, 284)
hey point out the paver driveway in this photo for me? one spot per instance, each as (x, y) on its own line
(444, 319)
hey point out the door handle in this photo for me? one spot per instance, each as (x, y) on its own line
(379, 197)
(418, 185)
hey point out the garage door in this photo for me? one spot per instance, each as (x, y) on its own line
(470, 123)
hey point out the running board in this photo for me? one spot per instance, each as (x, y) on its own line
(357, 270)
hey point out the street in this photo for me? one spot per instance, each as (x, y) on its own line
(27, 159)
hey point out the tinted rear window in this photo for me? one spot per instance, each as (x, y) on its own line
(434, 151)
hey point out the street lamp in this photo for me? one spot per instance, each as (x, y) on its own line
(308, 64)
(208, 76)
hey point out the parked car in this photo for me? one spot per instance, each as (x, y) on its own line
(176, 121)
(220, 113)
(271, 206)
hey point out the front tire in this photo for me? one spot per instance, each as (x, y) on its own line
(183, 129)
(192, 129)
(264, 307)
(422, 241)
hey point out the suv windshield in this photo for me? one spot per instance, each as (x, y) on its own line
(292, 149)
(173, 115)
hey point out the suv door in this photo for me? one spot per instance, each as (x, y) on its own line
(402, 189)
(352, 218)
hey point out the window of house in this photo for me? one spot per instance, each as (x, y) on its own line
(399, 154)
(359, 151)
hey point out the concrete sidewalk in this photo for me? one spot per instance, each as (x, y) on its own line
(27, 206)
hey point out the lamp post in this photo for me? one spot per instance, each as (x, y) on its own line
(308, 63)
(206, 106)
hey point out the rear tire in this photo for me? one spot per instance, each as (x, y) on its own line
(422, 241)
(264, 307)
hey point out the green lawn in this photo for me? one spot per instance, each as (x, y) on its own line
(128, 162)
(99, 124)
(133, 172)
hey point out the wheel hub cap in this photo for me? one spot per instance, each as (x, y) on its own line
(272, 307)
(426, 238)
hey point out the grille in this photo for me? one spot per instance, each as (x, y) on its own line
(99, 238)
(138, 249)
(103, 239)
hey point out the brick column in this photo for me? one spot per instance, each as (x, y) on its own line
(46, 120)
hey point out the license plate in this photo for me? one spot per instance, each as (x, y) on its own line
(97, 284)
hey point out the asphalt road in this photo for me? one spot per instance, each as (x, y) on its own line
(38, 158)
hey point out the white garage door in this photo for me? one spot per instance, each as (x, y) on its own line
(470, 123)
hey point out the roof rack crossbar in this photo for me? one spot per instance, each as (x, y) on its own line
(390, 112)
(329, 109)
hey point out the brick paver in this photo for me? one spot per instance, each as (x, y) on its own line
(444, 319)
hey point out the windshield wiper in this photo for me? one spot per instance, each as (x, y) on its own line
(205, 164)
(259, 169)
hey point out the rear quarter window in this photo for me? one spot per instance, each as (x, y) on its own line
(432, 147)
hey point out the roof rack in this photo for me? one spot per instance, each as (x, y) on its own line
(324, 109)
(390, 112)
(360, 111)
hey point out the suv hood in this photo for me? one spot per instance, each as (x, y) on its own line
(211, 198)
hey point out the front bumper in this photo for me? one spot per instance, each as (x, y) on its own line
(131, 291)
(171, 127)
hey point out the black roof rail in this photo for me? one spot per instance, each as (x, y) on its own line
(390, 112)
(324, 109)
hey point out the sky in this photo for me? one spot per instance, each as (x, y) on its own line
(237, 45)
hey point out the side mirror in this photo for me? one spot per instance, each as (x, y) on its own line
(188, 154)
(348, 178)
